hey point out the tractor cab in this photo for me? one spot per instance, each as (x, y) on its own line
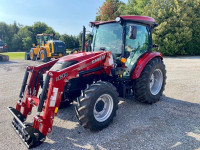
(127, 37)
(42, 39)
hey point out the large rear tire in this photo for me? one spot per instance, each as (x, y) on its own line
(151, 83)
(97, 106)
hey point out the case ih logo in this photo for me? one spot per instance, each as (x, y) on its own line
(92, 62)
(61, 76)
(98, 59)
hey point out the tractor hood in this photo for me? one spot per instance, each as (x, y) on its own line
(72, 59)
(81, 56)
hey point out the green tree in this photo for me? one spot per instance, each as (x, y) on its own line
(6, 34)
(175, 32)
(39, 27)
(71, 42)
(193, 12)
(24, 35)
(57, 35)
(16, 43)
(50, 30)
(4, 31)
(21, 38)
(87, 38)
(14, 28)
(135, 7)
(24, 32)
(109, 10)
(27, 43)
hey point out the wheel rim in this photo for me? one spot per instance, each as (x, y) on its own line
(42, 56)
(156, 81)
(103, 107)
(31, 55)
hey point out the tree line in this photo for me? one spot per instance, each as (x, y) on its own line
(20, 38)
(178, 32)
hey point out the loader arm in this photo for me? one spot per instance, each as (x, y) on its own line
(50, 98)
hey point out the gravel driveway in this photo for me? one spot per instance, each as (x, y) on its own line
(171, 123)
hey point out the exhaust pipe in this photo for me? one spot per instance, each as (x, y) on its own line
(83, 38)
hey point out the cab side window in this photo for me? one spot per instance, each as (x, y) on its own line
(137, 46)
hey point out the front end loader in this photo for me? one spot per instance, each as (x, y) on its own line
(120, 63)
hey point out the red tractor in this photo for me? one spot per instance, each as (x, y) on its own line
(119, 63)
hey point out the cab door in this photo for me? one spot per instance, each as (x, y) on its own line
(136, 47)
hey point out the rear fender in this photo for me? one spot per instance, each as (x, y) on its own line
(143, 61)
(45, 48)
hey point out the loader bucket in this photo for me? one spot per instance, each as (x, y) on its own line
(35, 133)
(30, 136)
(4, 58)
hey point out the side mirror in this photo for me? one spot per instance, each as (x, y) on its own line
(132, 32)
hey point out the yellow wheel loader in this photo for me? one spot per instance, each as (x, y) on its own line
(46, 49)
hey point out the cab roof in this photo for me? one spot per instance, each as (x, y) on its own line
(134, 18)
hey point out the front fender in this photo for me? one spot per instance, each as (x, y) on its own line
(143, 61)
(35, 50)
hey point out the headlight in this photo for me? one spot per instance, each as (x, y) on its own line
(118, 19)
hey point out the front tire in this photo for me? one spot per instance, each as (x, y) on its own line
(43, 56)
(151, 83)
(32, 55)
(27, 56)
(97, 106)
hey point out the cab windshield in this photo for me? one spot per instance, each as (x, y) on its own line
(108, 37)
(44, 38)
(47, 37)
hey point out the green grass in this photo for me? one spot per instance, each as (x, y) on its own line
(19, 55)
(14, 55)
